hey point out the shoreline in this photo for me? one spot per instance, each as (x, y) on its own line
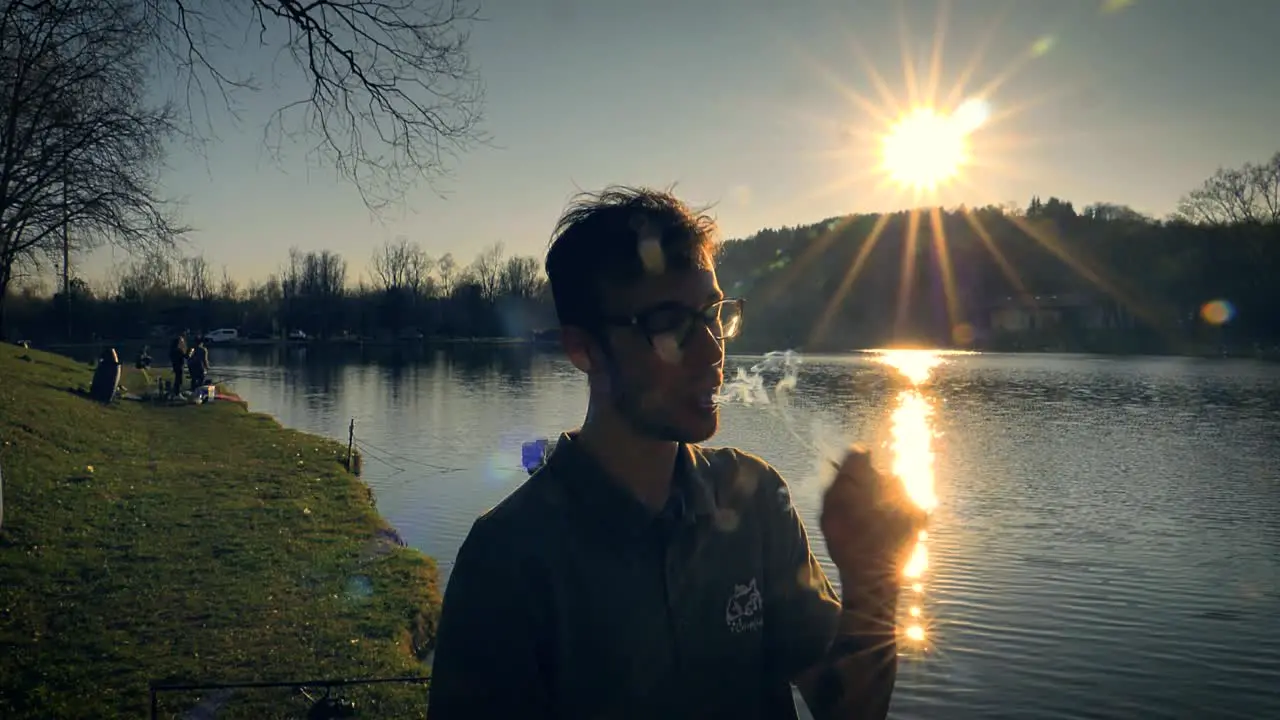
(1198, 351)
(279, 342)
(194, 544)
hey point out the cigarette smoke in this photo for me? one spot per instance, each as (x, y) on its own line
(751, 387)
(771, 384)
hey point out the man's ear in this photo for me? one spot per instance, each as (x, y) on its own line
(579, 346)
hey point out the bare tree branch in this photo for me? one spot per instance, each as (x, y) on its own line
(487, 270)
(389, 95)
(1250, 194)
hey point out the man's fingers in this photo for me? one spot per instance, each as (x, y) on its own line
(858, 470)
(868, 517)
(856, 465)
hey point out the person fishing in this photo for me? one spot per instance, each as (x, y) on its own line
(198, 364)
(106, 377)
(178, 360)
(638, 574)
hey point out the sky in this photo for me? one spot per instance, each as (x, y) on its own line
(752, 105)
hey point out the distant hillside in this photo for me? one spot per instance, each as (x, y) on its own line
(1107, 279)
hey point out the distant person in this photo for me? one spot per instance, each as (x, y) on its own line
(198, 364)
(178, 359)
(637, 574)
(106, 377)
(144, 358)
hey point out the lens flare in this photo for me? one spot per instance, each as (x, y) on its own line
(1217, 312)
(971, 115)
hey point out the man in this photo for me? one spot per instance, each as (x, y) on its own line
(178, 360)
(198, 364)
(638, 575)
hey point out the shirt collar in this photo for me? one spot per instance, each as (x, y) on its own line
(588, 484)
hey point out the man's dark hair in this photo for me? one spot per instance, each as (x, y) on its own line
(597, 243)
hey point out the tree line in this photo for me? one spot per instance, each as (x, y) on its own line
(408, 294)
(1103, 278)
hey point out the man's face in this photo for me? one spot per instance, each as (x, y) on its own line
(663, 387)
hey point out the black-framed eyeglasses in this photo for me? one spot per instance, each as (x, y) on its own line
(722, 317)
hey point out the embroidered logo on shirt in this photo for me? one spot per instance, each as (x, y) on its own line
(745, 610)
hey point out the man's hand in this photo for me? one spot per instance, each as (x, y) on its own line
(869, 522)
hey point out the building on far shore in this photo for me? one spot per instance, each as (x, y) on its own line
(1021, 314)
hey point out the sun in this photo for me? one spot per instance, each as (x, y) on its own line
(923, 150)
(927, 148)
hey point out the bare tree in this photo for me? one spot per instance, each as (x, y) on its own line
(420, 280)
(487, 271)
(195, 279)
(324, 282)
(1266, 179)
(402, 265)
(79, 143)
(447, 270)
(324, 275)
(521, 277)
(1249, 194)
(268, 293)
(149, 274)
(228, 289)
(387, 94)
(265, 301)
(312, 285)
(290, 280)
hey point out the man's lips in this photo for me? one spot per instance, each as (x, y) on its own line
(708, 395)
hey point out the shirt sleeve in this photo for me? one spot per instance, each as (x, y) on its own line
(843, 668)
(486, 661)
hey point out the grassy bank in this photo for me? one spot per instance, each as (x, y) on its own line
(193, 543)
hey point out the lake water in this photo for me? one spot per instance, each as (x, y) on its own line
(1106, 542)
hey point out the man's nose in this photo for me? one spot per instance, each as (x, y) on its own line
(704, 348)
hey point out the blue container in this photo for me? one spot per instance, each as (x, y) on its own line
(533, 453)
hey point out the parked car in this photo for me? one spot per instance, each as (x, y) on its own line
(297, 335)
(222, 335)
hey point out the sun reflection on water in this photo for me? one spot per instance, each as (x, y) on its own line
(911, 442)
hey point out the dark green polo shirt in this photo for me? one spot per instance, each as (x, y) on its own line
(571, 599)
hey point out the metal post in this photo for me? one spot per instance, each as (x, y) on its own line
(66, 247)
(351, 440)
(63, 117)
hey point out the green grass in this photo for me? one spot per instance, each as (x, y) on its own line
(189, 544)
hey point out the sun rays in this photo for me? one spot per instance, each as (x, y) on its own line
(944, 129)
